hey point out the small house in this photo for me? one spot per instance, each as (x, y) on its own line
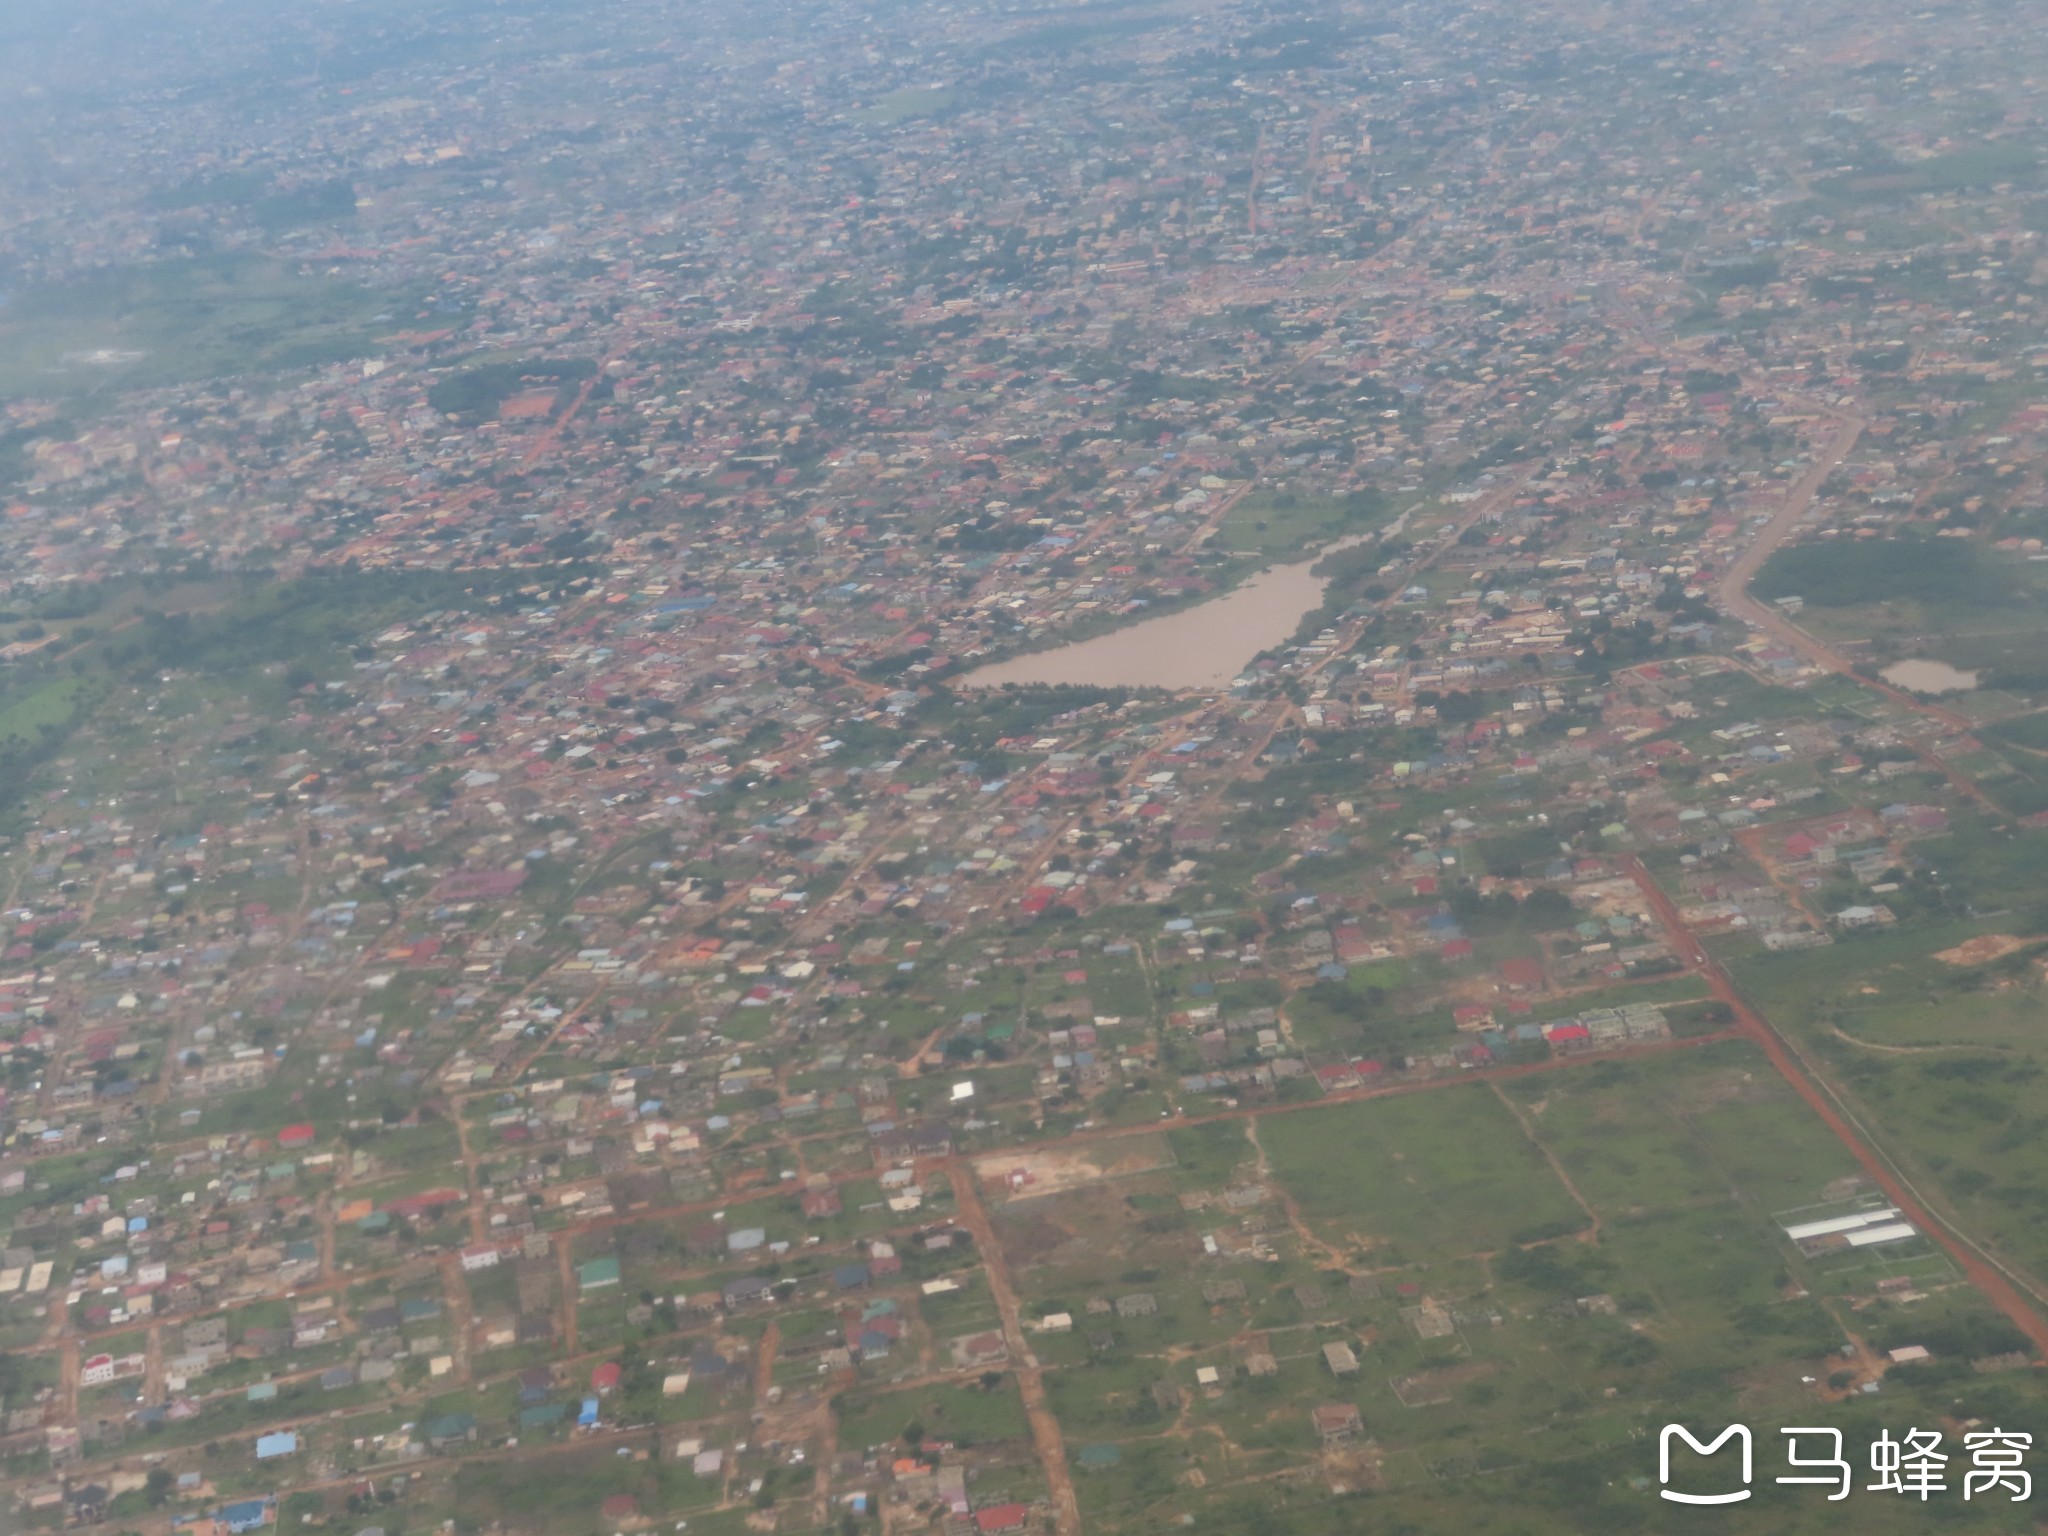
(1336, 1421)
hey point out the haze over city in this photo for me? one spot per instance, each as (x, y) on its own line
(958, 767)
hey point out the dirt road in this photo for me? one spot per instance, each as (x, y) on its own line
(566, 1274)
(1734, 584)
(1983, 1273)
(1045, 1428)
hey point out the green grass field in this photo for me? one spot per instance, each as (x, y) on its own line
(1432, 1175)
(912, 101)
(173, 321)
(1523, 1411)
(962, 1414)
(1978, 165)
(24, 718)
(1276, 523)
(560, 1492)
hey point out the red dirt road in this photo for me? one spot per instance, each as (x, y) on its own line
(1752, 1026)
(1733, 587)
(1045, 1428)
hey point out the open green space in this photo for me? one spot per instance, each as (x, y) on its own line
(1429, 1175)
(261, 200)
(561, 1492)
(173, 321)
(911, 101)
(47, 708)
(475, 392)
(1978, 165)
(1098, 24)
(1943, 1061)
(1518, 1390)
(1276, 523)
(968, 1414)
(1952, 600)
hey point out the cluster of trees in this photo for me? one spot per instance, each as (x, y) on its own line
(1485, 916)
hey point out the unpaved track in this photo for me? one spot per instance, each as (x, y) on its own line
(1983, 1273)
(1045, 1428)
(1733, 588)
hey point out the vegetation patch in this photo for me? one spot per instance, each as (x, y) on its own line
(1845, 574)
(475, 393)
(170, 322)
(979, 1413)
(912, 101)
(1452, 1174)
